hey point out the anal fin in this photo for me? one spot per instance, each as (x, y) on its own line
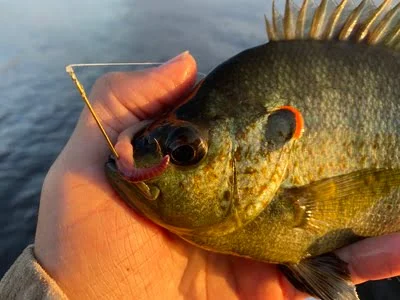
(326, 277)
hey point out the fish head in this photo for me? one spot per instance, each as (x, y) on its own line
(225, 159)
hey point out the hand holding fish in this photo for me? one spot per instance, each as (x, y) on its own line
(93, 245)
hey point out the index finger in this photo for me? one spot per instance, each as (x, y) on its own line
(373, 258)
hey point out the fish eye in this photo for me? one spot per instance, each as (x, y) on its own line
(183, 153)
(283, 125)
(185, 146)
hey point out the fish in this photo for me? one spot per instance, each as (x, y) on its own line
(285, 152)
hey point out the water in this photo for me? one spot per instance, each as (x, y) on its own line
(39, 105)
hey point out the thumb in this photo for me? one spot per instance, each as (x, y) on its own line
(126, 97)
(121, 99)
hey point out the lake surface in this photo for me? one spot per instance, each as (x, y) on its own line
(39, 104)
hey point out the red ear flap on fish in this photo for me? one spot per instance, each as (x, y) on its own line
(284, 124)
(299, 129)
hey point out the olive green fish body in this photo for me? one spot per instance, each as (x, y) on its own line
(348, 129)
(287, 151)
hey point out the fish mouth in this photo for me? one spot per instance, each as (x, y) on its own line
(140, 188)
(125, 162)
(138, 195)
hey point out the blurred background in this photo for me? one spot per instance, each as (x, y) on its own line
(40, 106)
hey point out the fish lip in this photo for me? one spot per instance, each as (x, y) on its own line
(141, 187)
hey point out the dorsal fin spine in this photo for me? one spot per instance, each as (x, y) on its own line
(288, 21)
(364, 22)
(318, 20)
(351, 22)
(394, 37)
(366, 27)
(270, 30)
(330, 29)
(275, 19)
(301, 20)
(379, 31)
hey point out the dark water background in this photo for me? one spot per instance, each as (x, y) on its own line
(39, 105)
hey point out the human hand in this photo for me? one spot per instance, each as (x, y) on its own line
(95, 246)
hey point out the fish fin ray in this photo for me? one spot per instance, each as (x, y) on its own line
(393, 37)
(351, 22)
(288, 21)
(318, 20)
(326, 277)
(271, 33)
(343, 20)
(305, 219)
(315, 204)
(301, 19)
(331, 26)
(365, 28)
(380, 32)
(277, 22)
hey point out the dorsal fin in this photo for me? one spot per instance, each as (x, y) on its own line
(361, 22)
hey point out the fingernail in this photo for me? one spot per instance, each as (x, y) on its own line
(177, 58)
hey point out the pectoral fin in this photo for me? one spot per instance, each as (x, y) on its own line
(333, 202)
(326, 277)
